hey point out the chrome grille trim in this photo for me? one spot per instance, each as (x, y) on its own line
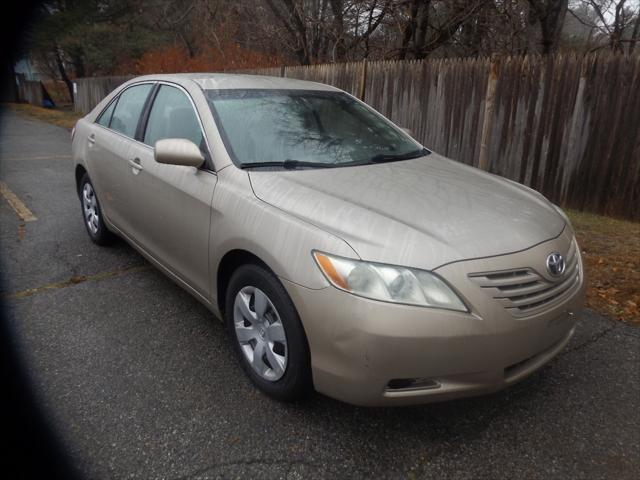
(523, 291)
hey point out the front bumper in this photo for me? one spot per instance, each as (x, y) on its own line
(359, 345)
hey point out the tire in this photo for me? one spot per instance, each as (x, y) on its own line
(286, 380)
(92, 214)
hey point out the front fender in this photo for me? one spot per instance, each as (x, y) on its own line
(241, 221)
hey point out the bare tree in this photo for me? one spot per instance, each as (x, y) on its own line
(328, 30)
(431, 24)
(549, 15)
(635, 34)
(88, 37)
(614, 20)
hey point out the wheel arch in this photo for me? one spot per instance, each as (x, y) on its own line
(79, 172)
(227, 265)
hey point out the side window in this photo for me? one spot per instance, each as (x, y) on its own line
(127, 111)
(172, 116)
(105, 118)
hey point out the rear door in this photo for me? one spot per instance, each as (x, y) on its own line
(109, 142)
(171, 212)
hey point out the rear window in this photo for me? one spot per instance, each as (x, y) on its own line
(128, 109)
(105, 118)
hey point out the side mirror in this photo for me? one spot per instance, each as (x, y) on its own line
(178, 151)
(407, 131)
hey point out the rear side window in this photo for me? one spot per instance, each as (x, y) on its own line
(172, 116)
(105, 117)
(127, 110)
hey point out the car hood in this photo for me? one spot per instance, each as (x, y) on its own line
(421, 213)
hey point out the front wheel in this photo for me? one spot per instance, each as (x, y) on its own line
(92, 214)
(267, 333)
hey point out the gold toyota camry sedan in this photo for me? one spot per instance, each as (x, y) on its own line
(342, 255)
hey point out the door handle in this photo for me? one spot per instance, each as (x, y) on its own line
(135, 164)
(92, 138)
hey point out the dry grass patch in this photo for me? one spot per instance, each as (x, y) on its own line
(611, 252)
(61, 117)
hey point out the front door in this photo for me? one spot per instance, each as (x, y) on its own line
(170, 205)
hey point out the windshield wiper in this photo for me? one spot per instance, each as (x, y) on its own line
(390, 157)
(289, 164)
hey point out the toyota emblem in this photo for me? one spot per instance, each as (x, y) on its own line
(555, 264)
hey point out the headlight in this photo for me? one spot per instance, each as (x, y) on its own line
(389, 283)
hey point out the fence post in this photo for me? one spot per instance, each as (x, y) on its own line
(282, 71)
(363, 80)
(487, 120)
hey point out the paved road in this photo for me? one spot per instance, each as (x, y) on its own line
(140, 381)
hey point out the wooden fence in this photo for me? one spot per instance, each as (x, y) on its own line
(91, 90)
(29, 91)
(566, 125)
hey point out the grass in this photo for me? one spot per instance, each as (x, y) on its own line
(610, 247)
(62, 117)
(611, 253)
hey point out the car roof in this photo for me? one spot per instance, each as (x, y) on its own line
(223, 81)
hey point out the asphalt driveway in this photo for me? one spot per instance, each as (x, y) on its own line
(140, 381)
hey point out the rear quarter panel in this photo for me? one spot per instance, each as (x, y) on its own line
(79, 143)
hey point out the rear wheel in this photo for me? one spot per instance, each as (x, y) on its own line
(92, 214)
(267, 333)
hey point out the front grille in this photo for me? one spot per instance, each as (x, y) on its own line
(523, 291)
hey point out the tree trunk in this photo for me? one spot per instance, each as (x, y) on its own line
(191, 51)
(552, 25)
(618, 28)
(635, 34)
(449, 27)
(340, 47)
(295, 28)
(369, 21)
(409, 30)
(422, 24)
(78, 65)
(550, 14)
(63, 73)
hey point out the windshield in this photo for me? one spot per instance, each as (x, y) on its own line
(303, 128)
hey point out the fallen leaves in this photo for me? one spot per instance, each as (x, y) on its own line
(611, 253)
